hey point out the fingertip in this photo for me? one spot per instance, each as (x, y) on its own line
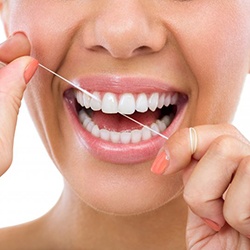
(161, 163)
(30, 70)
(212, 224)
(173, 149)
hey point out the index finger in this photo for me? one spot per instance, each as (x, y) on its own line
(177, 152)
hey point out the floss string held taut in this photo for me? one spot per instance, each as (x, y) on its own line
(93, 96)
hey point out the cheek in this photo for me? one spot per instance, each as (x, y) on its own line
(220, 73)
(217, 53)
(49, 27)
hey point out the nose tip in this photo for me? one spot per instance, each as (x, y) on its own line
(125, 34)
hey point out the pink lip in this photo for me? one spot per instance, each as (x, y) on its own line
(118, 84)
(121, 153)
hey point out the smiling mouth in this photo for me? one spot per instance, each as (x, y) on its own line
(103, 118)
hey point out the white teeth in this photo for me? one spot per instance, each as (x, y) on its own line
(162, 125)
(166, 119)
(161, 101)
(174, 98)
(104, 134)
(167, 100)
(86, 121)
(86, 101)
(79, 98)
(155, 127)
(136, 136)
(146, 134)
(95, 104)
(109, 103)
(153, 101)
(90, 126)
(114, 136)
(123, 137)
(141, 103)
(95, 131)
(126, 103)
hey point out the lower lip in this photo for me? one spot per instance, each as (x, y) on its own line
(121, 153)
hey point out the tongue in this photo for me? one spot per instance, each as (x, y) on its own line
(117, 122)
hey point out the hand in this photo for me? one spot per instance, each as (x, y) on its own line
(216, 185)
(13, 80)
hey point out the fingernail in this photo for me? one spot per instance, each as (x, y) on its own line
(212, 224)
(17, 33)
(161, 163)
(30, 70)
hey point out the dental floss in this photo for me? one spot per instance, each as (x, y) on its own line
(97, 99)
(69, 82)
(2, 64)
(145, 126)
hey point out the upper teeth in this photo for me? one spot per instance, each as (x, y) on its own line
(126, 103)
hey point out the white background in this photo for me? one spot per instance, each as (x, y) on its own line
(33, 185)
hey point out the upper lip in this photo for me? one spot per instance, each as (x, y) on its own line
(120, 84)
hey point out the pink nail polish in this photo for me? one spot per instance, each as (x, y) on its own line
(161, 163)
(212, 224)
(30, 70)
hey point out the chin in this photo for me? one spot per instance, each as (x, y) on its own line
(125, 190)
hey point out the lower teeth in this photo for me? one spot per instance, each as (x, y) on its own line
(124, 137)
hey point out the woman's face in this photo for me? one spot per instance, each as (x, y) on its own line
(136, 56)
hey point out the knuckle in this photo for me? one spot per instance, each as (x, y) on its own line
(237, 220)
(223, 145)
(192, 198)
(245, 165)
(231, 129)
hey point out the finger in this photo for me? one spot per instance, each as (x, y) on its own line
(197, 230)
(212, 177)
(15, 46)
(188, 171)
(236, 208)
(177, 151)
(13, 79)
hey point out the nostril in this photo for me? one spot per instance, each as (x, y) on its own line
(98, 48)
(142, 50)
(138, 51)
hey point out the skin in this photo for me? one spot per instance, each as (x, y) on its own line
(200, 46)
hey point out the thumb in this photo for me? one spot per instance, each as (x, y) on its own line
(197, 232)
(13, 80)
